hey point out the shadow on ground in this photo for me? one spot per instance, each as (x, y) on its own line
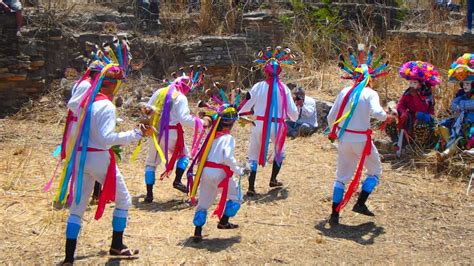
(167, 206)
(363, 234)
(213, 244)
(274, 194)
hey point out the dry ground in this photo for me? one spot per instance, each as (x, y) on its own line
(420, 219)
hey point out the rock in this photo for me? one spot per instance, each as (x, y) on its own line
(323, 108)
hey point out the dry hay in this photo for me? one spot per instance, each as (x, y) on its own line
(419, 219)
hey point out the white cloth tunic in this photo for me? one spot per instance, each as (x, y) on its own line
(258, 102)
(351, 145)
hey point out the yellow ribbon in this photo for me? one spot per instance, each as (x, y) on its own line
(203, 160)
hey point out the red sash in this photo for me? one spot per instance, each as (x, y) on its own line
(224, 184)
(279, 120)
(354, 185)
(178, 150)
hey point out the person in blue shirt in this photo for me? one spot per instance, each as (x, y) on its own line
(461, 128)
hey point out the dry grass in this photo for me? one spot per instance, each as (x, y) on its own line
(419, 219)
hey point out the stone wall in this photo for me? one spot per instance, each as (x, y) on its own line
(22, 66)
(438, 48)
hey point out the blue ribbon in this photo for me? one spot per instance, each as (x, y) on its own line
(355, 96)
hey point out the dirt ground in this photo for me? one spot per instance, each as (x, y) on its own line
(419, 218)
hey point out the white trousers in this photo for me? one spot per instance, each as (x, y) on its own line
(348, 157)
(208, 189)
(95, 169)
(256, 141)
(152, 158)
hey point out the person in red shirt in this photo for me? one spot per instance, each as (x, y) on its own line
(415, 108)
(416, 104)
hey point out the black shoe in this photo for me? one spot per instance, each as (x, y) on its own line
(275, 183)
(334, 220)
(362, 209)
(197, 234)
(251, 193)
(227, 226)
(179, 186)
(70, 250)
(149, 194)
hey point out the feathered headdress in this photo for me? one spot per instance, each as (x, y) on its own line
(271, 60)
(354, 69)
(186, 80)
(421, 71)
(462, 69)
(361, 71)
(112, 64)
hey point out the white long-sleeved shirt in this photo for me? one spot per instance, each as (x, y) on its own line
(222, 152)
(368, 106)
(102, 131)
(258, 100)
(179, 112)
(77, 94)
(308, 112)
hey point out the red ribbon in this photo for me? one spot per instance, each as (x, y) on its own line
(178, 150)
(224, 185)
(70, 118)
(109, 188)
(261, 158)
(355, 182)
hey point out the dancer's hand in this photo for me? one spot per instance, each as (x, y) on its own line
(146, 130)
(206, 121)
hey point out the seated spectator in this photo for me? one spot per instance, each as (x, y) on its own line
(307, 122)
(14, 6)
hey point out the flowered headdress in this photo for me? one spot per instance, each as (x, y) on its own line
(462, 69)
(421, 71)
(112, 64)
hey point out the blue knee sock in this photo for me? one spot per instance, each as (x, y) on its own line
(231, 208)
(253, 165)
(370, 182)
(73, 226)
(150, 175)
(182, 163)
(119, 220)
(338, 192)
(200, 218)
